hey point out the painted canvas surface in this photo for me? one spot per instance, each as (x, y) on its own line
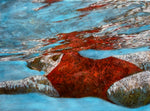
(74, 55)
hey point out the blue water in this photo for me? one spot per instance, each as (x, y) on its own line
(21, 33)
(100, 54)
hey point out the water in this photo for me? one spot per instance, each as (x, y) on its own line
(24, 34)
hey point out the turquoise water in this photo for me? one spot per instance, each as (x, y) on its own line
(100, 54)
(22, 31)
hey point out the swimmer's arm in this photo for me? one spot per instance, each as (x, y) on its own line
(39, 84)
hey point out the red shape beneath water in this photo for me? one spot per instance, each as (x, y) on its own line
(79, 17)
(92, 7)
(51, 1)
(76, 41)
(77, 76)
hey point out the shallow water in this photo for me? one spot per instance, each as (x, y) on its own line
(23, 35)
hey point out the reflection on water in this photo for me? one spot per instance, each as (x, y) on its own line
(96, 31)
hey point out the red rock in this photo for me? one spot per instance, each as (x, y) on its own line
(76, 76)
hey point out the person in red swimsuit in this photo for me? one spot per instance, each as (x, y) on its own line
(70, 75)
